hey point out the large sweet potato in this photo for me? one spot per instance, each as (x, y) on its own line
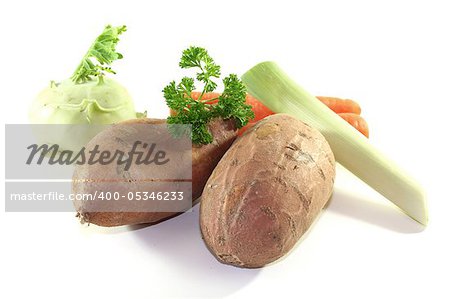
(88, 179)
(266, 191)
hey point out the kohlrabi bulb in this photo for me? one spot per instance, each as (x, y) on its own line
(93, 103)
(102, 101)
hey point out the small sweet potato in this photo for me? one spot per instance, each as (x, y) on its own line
(266, 191)
(88, 179)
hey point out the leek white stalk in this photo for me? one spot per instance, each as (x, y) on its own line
(272, 86)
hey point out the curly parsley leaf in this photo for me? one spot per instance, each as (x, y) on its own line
(197, 112)
(232, 102)
(196, 57)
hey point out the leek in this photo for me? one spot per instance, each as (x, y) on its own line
(272, 86)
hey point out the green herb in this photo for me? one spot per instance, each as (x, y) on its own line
(103, 50)
(230, 104)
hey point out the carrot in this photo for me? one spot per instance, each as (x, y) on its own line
(341, 105)
(350, 111)
(347, 109)
(357, 122)
(206, 97)
(258, 108)
(336, 104)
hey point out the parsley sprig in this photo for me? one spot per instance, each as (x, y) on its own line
(230, 104)
(103, 50)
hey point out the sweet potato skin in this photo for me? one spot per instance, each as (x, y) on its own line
(204, 159)
(266, 191)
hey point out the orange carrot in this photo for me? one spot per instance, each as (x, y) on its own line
(335, 104)
(206, 97)
(357, 122)
(340, 105)
(258, 108)
(347, 109)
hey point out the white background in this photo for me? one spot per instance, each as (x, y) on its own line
(390, 56)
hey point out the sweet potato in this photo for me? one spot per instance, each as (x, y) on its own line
(266, 191)
(87, 179)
